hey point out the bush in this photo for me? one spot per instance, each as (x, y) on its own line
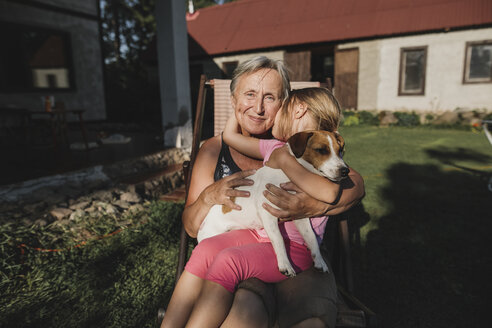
(368, 118)
(351, 120)
(488, 117)
(359, 118)
(429, 118)
(407, 119)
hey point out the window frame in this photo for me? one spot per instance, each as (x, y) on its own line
(67, 38)
(467, 59)
(401, 92)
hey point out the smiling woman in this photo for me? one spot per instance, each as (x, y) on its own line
(259, 87)
(256, 101)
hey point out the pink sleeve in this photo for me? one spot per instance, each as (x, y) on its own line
(267, 146)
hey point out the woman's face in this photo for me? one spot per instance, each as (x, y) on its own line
(256, 101)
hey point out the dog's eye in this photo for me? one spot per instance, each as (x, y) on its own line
(322, 151)
(342, 152)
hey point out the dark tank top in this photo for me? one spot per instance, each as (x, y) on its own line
(225, 164)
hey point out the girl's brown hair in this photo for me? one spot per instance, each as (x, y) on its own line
(321, 104)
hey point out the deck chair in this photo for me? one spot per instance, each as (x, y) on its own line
(351, 312)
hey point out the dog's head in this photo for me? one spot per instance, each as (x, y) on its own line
(320, 152)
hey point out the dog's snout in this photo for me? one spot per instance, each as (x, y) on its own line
(344, 171)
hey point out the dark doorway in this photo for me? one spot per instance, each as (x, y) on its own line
(346, 76)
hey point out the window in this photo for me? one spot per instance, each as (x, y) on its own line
(478, 62)
(412, 71)
(33, 59)
(228, 68)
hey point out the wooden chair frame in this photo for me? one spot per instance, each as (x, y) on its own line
(352, 307)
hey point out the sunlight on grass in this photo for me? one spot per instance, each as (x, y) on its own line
(116, 281)
(372, 151)
(423, 242)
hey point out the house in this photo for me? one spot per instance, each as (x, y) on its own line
(51, 48)
(422, 55)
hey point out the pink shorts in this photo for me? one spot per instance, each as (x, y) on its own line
(237, 255)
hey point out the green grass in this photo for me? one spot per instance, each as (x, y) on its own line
(118, 281)
(419, 244)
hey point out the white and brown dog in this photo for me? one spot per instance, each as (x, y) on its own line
(317, 151)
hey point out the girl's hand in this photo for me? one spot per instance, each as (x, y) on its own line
(221, 192)
(292, 202)
(232, 126)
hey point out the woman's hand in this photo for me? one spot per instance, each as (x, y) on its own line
(292, 202)
(222, 192)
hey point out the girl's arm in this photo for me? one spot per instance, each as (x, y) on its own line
(313, 184)
(293, 203)
(248, 146)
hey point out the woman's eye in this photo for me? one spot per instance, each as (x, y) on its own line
(269, 98)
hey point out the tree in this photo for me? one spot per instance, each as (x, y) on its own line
(128, 28)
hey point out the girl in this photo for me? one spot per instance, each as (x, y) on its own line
(223, 261)
(306, 109)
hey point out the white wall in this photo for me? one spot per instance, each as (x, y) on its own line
(379, 63)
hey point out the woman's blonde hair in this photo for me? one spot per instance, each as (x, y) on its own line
(321, 104)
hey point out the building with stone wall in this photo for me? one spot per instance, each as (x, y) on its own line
(51, 48)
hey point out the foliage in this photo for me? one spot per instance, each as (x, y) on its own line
(362, 117)
(368, 118)
(488, 117)
(351, 120)
(116, 281)
(407, 119)
(128, 27)
(128, 30)
(429, 118)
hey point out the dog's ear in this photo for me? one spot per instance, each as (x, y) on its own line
(341, 143)
(298, 143)
(340, 140)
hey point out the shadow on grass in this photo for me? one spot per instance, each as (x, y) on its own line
(427, 264)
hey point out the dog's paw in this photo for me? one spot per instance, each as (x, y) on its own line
(321, 266)
(287, 271)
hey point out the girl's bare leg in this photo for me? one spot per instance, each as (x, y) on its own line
(182, 301)
(212, 306)
(248, 311)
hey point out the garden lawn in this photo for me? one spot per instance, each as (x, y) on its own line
(117, 281)
(419, 243)
(420, 246)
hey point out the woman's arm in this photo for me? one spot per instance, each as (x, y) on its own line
(248, 146)
(203, 192)
(313, 184)
(299, 204)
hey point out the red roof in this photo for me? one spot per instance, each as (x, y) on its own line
(258, 24)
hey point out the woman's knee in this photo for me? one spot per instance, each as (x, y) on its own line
(247, 310)
(227, 269)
